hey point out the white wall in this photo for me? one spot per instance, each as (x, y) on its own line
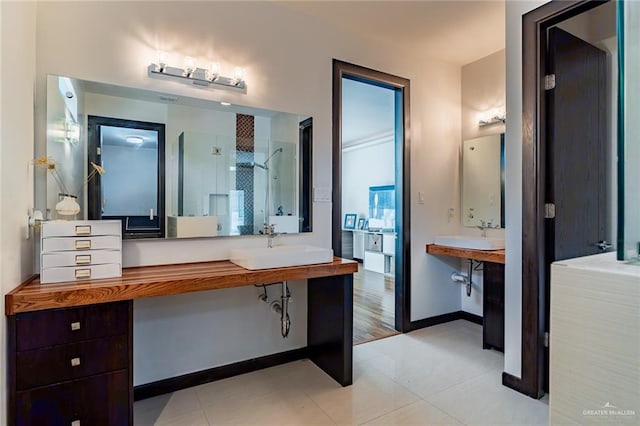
(288, 69)
(513, 191)
(131, 171)
(483, 90)
(17, 74)
(362, 167)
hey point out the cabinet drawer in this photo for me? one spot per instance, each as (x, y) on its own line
(80, 273)
(96, 401)
(80, 258)
(80, 228)
(40, 367)
(60, 326)
(374, 242)
(108, 242)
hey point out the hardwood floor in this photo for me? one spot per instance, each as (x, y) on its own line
(373, 306)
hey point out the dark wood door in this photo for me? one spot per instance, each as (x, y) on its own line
(576, 181)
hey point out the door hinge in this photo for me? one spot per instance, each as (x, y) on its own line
(549, 211)
(549, 81)
(546, 339)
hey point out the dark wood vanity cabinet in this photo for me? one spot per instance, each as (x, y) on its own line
(493, 306)
(71, 366)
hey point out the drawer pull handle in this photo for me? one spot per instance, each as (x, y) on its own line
(83, 259)
(75, 362)
(75, 423)
(83, 229)
(83, 244)
(83, 273)
(75, 326)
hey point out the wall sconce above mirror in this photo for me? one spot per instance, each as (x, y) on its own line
(483, 181)
(495, 116)
(193, 74)
(224, 170)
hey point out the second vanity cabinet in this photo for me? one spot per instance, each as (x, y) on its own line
(493, 306)
(71, 366)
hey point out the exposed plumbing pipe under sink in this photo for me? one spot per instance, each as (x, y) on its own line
(280, 307)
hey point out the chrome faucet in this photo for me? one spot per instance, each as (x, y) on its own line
(483, 228)
(270, 232)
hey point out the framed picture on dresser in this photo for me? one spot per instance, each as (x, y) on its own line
(350, 221)
(361, 223)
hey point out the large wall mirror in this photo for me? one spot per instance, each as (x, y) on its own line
(483, 181)
(169, 166)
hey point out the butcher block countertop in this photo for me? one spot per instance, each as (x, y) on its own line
(163, 280)
(495, 256)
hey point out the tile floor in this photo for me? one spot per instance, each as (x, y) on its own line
(435, 376)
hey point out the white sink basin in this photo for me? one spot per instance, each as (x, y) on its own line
(280, 256)
(477, 243)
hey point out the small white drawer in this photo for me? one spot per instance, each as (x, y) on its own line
(107, 242)
(80, 273)
(80, 258)
(81, 228)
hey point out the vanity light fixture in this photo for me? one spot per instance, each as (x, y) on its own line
(492, 117)
(210, 77)
(136, 140)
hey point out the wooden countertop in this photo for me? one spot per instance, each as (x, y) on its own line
(163, 280)
(495, 256)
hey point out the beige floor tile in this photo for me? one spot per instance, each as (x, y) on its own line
(369, 397)
(195, 418)
(282, 407)
(485, 401)
(419, 413)
(239, 387)
(165, 409)
(445, 365)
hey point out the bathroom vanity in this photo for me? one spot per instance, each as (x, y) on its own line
(492, 289)
(71, 344)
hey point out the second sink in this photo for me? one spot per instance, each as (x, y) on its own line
(280, 256)
(476, 243)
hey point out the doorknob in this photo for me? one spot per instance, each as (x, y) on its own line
(603, 245)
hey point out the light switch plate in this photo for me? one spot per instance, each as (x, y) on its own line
(420, 197)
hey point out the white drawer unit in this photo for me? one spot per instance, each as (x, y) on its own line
(80, 250)
(108, 242)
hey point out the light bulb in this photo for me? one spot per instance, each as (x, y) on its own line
(136, 140)
(214, 71)
(238, 75)
(189, 65)
(162, 60)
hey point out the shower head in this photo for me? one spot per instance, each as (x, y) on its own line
(271, 156)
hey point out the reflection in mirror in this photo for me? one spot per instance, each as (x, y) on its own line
(628, 131)
(133, 190)
(229, 170)
(483, 181)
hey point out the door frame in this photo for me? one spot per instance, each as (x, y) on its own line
(401, 87)
(534, 66)
(94, 187)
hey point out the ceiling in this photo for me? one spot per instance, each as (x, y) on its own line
(455, 31)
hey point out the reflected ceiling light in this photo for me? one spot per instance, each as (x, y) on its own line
(136, 140)
(210, 77)
(225, 104)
